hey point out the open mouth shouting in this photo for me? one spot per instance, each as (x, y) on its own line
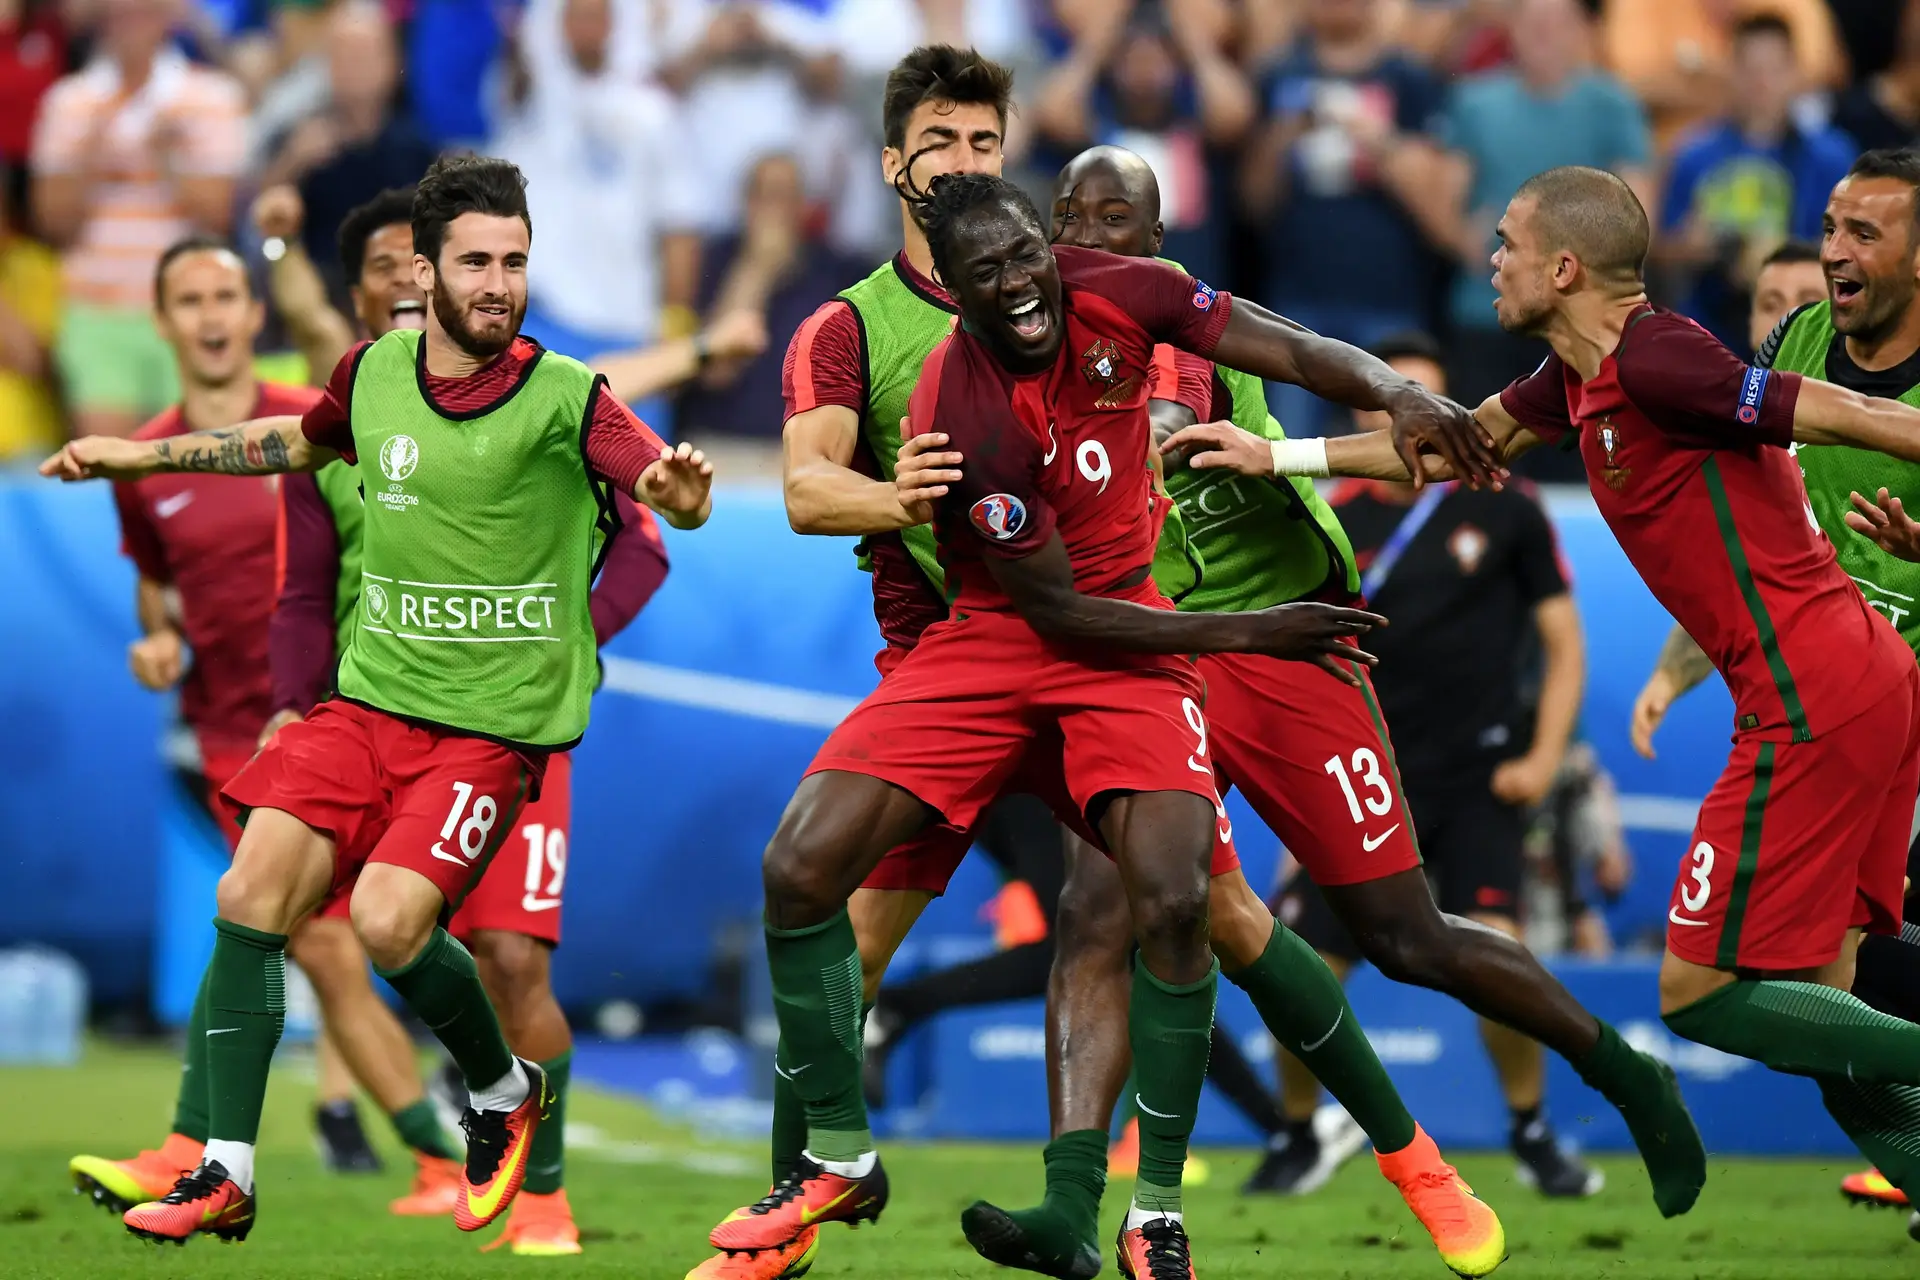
(408, 313)
(1029, 320)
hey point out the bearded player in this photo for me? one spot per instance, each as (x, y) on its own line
(1861, 332)
(1312, 754)
(850, 370)
(212, 542)
(511, 919)
(488, 466)
(1801, 846)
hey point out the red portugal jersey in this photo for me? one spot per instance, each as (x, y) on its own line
(1686, 453)
(211, 538)
(1065, 448)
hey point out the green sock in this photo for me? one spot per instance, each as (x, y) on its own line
(1171, 1031)
(547, 1162)
(1063, 1230)
(442, 985)
(817, 996)
(1884, 1122)
(1303, 1005)
(1649, 1100)
(1804, 1029)
(246, 1008)
(419, 1127)
(190, 1106)
(789, 1136)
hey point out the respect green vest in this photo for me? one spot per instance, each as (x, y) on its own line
(339, 485)
(1261, 542)
(899, 327)
(1833, 471)
(481, 536)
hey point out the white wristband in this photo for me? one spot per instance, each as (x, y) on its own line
(1301, 458)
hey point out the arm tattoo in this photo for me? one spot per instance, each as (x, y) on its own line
(1685, 662)
(226, 451)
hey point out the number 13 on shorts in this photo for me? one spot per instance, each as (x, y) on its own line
(1366, 768)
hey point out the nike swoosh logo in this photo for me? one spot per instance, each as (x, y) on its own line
(220, 1031)
(530, 903)
(444, 856)
(1309, 1048)
(1677, 919)
(1053, 447)
(808, 1216)
(791, 1072)
(1370, 843)
(167, 508)
(489, 1204)
(1150, 1111)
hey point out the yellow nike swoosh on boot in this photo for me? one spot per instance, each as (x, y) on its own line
(502, 1177)
(808, 1217)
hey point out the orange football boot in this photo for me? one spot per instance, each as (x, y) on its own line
(121, 1184)
(498, 1143)
(788, 1262)
(807, 1198)
(540, 1226)
(1871, 1188)
(1467, 1233)
(1155, 1250)
(436, 1189)
(206, 1200)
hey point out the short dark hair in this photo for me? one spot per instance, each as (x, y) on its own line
(942, 73)
(1790, 252)
(198, 242)
(1767, 23)
(1409, 344)
(454, 185)
(394, 205)
(952, 198)
(1595, 215)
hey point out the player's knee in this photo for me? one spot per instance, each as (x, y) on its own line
(1415, 957)
(1172, 915)
(1239, 923)
(328, 954)
(391, 933)
(796, 874)
(245, 897)
(513, 966)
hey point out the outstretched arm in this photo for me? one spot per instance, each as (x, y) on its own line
(1825, 413)
(1041, 588)
(263, 446)
(1368, 456)
(824, 494)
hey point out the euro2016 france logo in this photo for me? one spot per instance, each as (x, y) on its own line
(398, 457)
(999, 515)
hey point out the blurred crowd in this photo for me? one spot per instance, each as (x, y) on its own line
(1342, 161)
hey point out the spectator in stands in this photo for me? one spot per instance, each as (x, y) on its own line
(1337, 182)
(1551, 108)
(1677, 55)
(757, 77)
(612, 191)
(1742, 184)
(1156, 80)
(33, 55)
(356, 146)
(134, 151)
(773, 268)
(1883, 109)
(30, 426)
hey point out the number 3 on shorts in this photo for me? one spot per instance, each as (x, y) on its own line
(475, 830)
(1700, 873)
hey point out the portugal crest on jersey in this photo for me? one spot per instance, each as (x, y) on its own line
(1102, 367)
(1611, 471)
(999, 515)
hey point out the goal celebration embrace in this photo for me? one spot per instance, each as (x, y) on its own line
(1113, 590)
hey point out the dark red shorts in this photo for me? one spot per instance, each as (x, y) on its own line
(1312, 757)
(958, 720)
(523, 886)
(1800, 841)
(387, 791)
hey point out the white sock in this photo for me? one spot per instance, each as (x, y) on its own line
(1138, 1217)
(846, 1168)
(235, 1157)
(504, 1094)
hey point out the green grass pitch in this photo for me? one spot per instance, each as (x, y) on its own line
(645, 1194)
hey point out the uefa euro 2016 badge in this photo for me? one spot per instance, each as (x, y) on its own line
(1611, 471)
(1000, 516)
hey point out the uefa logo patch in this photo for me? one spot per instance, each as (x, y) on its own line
(376, 598)
(999, 515)
(1202, 296)
(1752, 390)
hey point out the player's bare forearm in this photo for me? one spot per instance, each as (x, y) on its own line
(1682, 661)
(1168, 417)
(1041, 588)
(261, 447)
(321, 333)
(1259, 342)
(1563, 676)
(824, 494)
(1828, 414)
(150, 606)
